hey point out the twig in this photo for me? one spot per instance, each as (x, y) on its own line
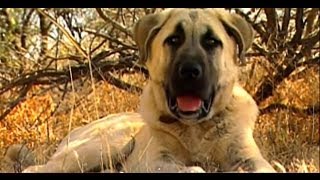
(114, 23)
(110, 39)
(122, 85)
(71, 39)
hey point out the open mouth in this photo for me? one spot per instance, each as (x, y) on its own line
(189, 106)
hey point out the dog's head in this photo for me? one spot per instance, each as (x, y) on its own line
(192, 55)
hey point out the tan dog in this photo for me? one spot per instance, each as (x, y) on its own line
(194, 111)
(194, 108)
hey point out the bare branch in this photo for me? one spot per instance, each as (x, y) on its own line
(285, 23)
(311, 40)
(299, 26)
(122, 85)
(71, 39)
(309, 62)
(114, 23)
(271, 20)
(98, 46)
(112, 39)
(44, 31)
(48, 76)
(311, 20)
(25, 22)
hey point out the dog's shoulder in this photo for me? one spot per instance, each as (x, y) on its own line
(242, 108)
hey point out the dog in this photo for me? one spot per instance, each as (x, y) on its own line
(193, 111)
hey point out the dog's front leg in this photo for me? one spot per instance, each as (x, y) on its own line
(167, 162)
(157, 160)
(242, 153)
(151, 154)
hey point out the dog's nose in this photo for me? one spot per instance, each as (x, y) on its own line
(190, 70)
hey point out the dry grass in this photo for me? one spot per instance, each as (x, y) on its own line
(290, 141)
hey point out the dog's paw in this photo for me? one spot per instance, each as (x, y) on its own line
(192, 169)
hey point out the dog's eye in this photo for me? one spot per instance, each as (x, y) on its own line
(210, 41)
(173, 40)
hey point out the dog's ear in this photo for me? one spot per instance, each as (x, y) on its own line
(145, 30)
(240, 29)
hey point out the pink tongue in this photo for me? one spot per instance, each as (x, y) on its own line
(188, 103)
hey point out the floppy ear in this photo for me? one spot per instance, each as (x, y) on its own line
(240, 29)
(145, 30)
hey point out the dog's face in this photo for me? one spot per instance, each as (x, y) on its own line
(192, 55)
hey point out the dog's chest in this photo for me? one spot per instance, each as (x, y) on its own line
(203, 141)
